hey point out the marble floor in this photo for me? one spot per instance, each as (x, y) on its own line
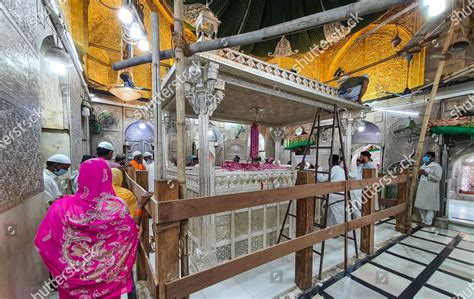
(461, 211)
(430, 263)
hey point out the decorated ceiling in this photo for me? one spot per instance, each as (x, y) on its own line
(96, 31)
(250, 15)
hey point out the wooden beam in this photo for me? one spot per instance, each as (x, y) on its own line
(426, 119)
(198, 281)
(304, 225)
(369, 195)
(166, 239)
(403, 223)
(195, 207)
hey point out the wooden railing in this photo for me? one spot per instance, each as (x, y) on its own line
(168, 211)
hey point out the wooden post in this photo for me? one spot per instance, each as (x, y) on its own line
(403, 224)
(141, 178)
(426, 119)
(166, 238)
(369, 196)
(131, 173)
(304, 225)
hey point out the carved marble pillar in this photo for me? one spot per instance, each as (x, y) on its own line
(350, 123)
(204, 92)
(277, 135)
(169, 126)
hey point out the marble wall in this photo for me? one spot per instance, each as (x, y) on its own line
(23, 28)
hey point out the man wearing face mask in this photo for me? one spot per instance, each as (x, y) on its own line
(427, 195)
(56, 166)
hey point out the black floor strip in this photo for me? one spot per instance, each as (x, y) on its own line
(455, 275)
(384, 221)
(440, 291)
(436, 233)
(407, 258)
(426, 239)
(424, 276)
(460, 261)
(372, 287)
(419, 248)
(326, 295)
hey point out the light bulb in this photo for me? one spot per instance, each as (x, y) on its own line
(57, 68)
(125, 15)
(143, 45)
(142, 126)
(136, 31)
(361, 129)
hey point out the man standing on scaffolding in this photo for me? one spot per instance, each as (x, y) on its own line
(352, 88)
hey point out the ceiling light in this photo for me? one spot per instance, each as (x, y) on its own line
(143, 45)
(361, 128)
(435, 7)
(398, 111)
(125, 15)
(58, 68)
(136, 31)
(142, 126)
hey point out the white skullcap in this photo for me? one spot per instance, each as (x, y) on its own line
(106, 145)
(147, 154)
(59, 158)
(136, 153)
(365, 75)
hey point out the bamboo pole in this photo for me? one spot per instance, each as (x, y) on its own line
(181, 130)
(426, 119)
(155, 71)
(298, 25)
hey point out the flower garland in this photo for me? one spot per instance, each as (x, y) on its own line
(254, 136)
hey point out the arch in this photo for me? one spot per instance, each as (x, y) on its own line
(140, 136)
(367, 133)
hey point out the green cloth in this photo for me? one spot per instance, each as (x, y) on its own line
(453, 130)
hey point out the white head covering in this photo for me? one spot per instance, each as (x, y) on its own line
(59, 158)
(365, 75)
(106, 145)
(136, 153)
(147, 154)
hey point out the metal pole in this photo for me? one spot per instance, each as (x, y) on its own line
(361, 8)
(155, 71)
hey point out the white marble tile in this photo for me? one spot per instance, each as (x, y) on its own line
(461, 269)
(412, 253)
(462, 255)
(447, 232)
(348, 288)
(433, 237)
(429, 293)
(398, 264)
(226, 289)
(463, 229)
(447, 282)
(423, 244)
(466, 245)
(382, 279)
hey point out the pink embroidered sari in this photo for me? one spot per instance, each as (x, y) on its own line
(88, 240)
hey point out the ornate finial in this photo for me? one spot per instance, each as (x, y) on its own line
(206, 24)
(283, 49)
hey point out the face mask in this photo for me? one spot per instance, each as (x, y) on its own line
(426, 159)
(60, 172)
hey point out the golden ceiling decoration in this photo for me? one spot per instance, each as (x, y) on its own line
(283, 49)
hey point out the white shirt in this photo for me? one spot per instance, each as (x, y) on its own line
(337, 174)
(151, 177)
(51, 187)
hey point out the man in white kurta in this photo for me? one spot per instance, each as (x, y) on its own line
(356, 195)
(428, 195)
(56, 165)
(336, 210)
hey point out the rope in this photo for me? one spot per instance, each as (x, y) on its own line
(180, 42)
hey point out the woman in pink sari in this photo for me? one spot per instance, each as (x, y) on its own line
(88, 241)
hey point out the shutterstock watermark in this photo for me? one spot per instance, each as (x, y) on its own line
(459, 111)
(49, 285)
(317, 49)
(20, 128)
(468, 292)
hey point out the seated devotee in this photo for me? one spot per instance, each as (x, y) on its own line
(128, 197)
(147, 158)
(121, 160)
(93, 228)
(336, 201)
(56, 166)
(353, 88)
(137, 161)
(105, 150)
(428, 195)
(75, 174)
